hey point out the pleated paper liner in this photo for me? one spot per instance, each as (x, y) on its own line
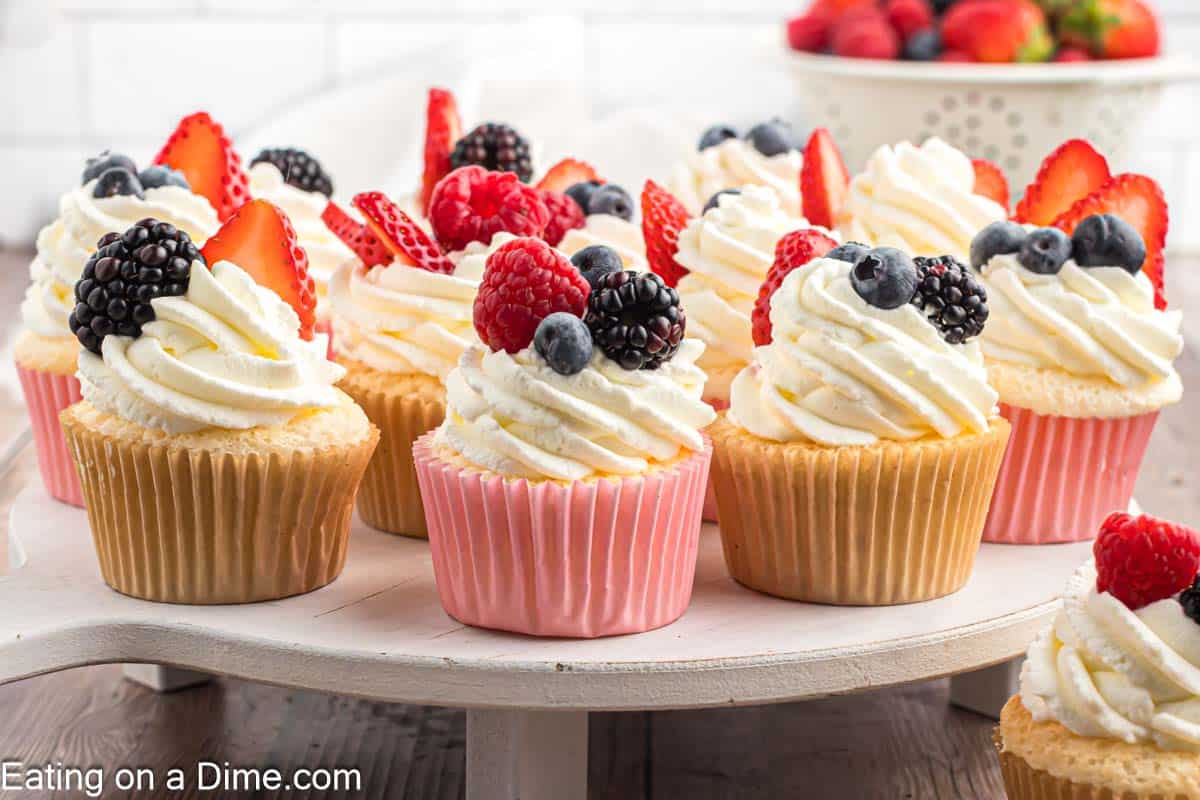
(547, 558)
(403, 408)
(46, 395)
(1023, 782)
(876, 525)
(710, 496)
(205, 525)
(1062, 476)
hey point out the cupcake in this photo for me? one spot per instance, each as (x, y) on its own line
(858, 456)
(1109, 702)
(218, 462)
(1081, 358)
(564, 490)
(112, 195)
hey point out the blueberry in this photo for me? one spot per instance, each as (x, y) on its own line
(942, 6)
(885, 277)
(715, 135)
(715, 200)
(1044, 251)
(596, 260)
(613, 200)
(565, 342)
(158, 175)
(923, 45)
(999, 238)
(772, 138)
(106, 160)
(850, 252)
(118, 180)
(582, 192)
(1104, 240)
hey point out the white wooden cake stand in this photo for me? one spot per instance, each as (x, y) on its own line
(379, 632)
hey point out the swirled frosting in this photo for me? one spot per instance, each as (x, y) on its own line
(919, 199)
(63, 246)
(227, 354)
(1105, 671)
(841, 372)
(734, 163)
(622, 236)
(514, 415)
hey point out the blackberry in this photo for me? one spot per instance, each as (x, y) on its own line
(635, 319)
(950, 297)
(494, 146)
(299, 169)
(128, 270)
(1190, 600)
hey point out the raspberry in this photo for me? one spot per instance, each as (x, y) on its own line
(793, 251)
(472, 204)
(809, 33)
(865, 34)
(524, 282)
(565, 214)
(1140, 560)
(908, 16)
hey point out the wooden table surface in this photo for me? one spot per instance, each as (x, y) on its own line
(898, 743)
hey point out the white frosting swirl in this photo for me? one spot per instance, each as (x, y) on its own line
(1105, 671)
(841, 372)
(733, 163)
(63, 246)
(227, 354)
(919, 199)
(514, 415)
(622, 236)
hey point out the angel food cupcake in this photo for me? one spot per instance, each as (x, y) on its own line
(564, 490)
(857, 459)
(1109, 705)
(217, 460)
(769, 156)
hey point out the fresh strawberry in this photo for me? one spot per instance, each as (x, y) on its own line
(835, 9)
(998, 31)
(956, 57)
(567, 173)
(1070, 173)
(663, 217)
(865, 33)
(1139, 201)
(408, 243)
(1141, 560)
(990, 182)
(442, 129)
(794, 250)
(200, 150)
(565, 214)
(824, 179)
(1112, 28)
(908, 16)
(809, 33)
(260, 239)
(355, 235)
(1070, 55)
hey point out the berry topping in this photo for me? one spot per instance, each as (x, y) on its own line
(635, 319)
(355, 235)
(525, 281)
(298, 168)
(1104, 240)
(999, 31)
(849, 252)
(118, 181)
(1070, 173)
(105, 161)
(404, 238)
(865, 33)
(1044, 251)
(566, 173)
(715, 200)
(663, 217)
(824, 180)
(442, 129)
(565, 214)
(772, 138)
(157, 175)
(113, 296)
(612, 200)
(1141, 560)
(908, 17)
(715, 135)
(792, 252)
(494, 146)
(1190, 600)
(582, 192)
(923, 45)
(950, 298)
(885, 277)
(809, 33)
(472, 204)
(565, 342)
(260, 239)
(595, 261)
(990, 182)
(200, 150)
(999, 238)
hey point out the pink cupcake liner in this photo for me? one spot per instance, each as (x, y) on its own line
(46, 394)
(710, 497)
(585, 559)
(1061, 476)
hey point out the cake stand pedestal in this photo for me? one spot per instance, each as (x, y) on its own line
(379, 632)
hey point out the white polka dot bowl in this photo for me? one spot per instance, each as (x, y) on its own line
(1012, 114)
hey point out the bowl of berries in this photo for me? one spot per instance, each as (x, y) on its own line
(1003, 80)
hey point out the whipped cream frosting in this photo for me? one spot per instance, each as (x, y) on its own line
(918, 199)
(841, 372)
(1105, 671)
(227, 354)
(611, 231)
(734, 163)
(514, 415)
(63, 246)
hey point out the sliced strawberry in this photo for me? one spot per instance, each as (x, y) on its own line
(566, 174)
(824, 179)
(400, 234)
(443, 128)
(1070, 173)
(260, 239)
(355, 235)
(990, 182)
(200, 150)
(663, 217)
(793, 251)
(1139, 201)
